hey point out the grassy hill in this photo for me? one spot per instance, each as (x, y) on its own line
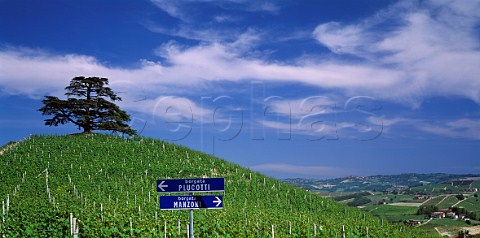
(108, 183)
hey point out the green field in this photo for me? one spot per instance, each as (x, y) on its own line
(448, 202)
(375, 198)
(434, 201)
(472, 204)
(399, 214)
(388, 210)
(390, 198)
(395, 213)
(108, 183)
(451, 224)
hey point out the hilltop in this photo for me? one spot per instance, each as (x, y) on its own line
(108, 184)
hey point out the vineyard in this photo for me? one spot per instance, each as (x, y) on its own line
(107, 184)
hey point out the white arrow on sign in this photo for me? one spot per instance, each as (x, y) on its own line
(218, 201)
(161, 186)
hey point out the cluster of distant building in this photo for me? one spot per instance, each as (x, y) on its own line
(444, 213)
(404, 189)
(469, 190)
(447, 213)
(421, 197)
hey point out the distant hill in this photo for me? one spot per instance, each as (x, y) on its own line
(109, 182)
(384, 182)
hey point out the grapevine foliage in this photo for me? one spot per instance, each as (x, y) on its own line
(108, 184)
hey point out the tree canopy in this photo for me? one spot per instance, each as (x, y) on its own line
(87, 106)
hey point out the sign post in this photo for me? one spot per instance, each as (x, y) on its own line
(191, 202)
(190, 185)
(191, 223)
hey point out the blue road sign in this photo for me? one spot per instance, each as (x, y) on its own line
(190, 185)
(191, 202)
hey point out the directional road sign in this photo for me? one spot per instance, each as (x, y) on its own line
(191, 202)
(191, 185)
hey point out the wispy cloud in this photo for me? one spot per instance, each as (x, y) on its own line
(216, 25)
(169, 108)
(397, 127)
(35, 72)
(194, 32)
(443, 61)
(263, 6)
(437, 64)
(226, 62)
(318, 171)
(190, 66)
(434, 42)
(298, 108)
(322, 117)
(185, 9)
(468, 129)
(173, 8)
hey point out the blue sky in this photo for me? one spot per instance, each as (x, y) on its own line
(315, 89)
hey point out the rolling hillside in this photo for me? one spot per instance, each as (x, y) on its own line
(108, 183)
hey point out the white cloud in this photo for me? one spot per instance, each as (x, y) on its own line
(173, 8)
(312, 131)
(222, 18)
(464, 128)
(319, 171)
(298, 108)
(189, 68)
(326, 118)
(265, 6)
(339, 39)
(300, 116)
(35, 73)
(185, 9)
(224, 62)
(169, 108)
(320, 118)
(458, 129)
(435, 44)
(216, 25)
(390, 121)
(194, 32)
(424, 52)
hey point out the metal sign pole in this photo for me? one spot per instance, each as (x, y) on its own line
(191, 223)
